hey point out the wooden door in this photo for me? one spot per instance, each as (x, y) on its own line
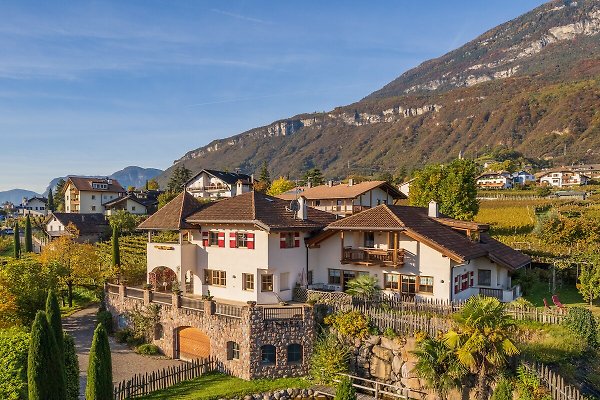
(192, 344)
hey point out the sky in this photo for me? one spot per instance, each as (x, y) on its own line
(92, 87)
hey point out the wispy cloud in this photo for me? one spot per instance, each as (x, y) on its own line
(240, 16)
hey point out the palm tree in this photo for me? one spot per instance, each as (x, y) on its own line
(439, 366)
(482, 342)
(363, 285)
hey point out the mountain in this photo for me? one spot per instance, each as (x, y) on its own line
(128, 176)
(15, 196)
(531, 84)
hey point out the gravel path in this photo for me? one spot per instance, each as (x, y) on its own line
(125, 362)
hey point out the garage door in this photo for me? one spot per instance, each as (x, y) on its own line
(193, 343)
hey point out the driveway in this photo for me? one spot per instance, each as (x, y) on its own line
(125, 362)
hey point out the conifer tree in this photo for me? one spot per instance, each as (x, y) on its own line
(45, 374)
(116, 256)
(99, 380)
(71, 368)
(54, 320)
(28, 236)
(50, 203)
(17, 242)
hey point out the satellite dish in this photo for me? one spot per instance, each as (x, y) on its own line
(294, 205)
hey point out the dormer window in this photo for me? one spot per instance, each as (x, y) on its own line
(100, 186)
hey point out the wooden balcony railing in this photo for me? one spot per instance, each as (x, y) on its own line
(372, 256)
(489, 292)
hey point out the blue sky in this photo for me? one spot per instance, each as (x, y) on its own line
(92, 87)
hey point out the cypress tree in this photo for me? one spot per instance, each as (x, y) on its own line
(54, 320)
(28, 236)
(99, 379)
(116, 256)
(45, 375)
(50, 203)
(71, 368)
(17, 242)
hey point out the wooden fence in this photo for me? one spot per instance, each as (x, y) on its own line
(554, 382)
(143, 384)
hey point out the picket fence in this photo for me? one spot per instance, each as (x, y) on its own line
(143, 384)
(559, 390)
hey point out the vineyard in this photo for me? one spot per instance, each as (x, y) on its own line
(133, 257)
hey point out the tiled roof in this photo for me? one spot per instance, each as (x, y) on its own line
(86, 224)
(260, 209)
(85, 184)
(341, 191)
(439, 234)
(227, 177)
(121, 199)
(172, 215)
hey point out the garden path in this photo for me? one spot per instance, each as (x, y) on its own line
(125, 362)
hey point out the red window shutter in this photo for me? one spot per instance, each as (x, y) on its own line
(296, 239)
(221, 239)
(282, 240)
(205, 239)
(232, 241)
(250, 241)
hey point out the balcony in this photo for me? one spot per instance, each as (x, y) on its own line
(375, 257)
(172, 255)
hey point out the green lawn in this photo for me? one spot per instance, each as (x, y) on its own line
(215, 386)
(567, 294)
(82, 298)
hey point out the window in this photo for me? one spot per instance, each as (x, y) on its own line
(408, 284)
(93, 197)
(213, 238)
(241, 239)
(93, 208)
(391, 281)
(284, 279)
(132, 208)
(317, 203)
(215, 278)
(369, 241)
(294, 353)
(248, 281)
(426, 284)
(233, 351)
(266, 283)
(267, 354)
(484, 277)
(287, 239)
(335, 277)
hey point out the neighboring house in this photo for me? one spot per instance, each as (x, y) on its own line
(590, 170)
(210, 183)
(85, 228)
(129, 203)
(34, 206)
(522, 178)
(88, 195)
(404, 188)
(414, 251)
(495, 180)
(246, 248)
(562, 177)
(346, 198)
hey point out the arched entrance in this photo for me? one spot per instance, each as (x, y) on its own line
(192, 343)
(162, 278)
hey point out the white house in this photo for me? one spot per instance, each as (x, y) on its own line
(522, 177)
(129, 203)
(88, 195)
(414, 251)
(346, 198)
(84, 228)
(210, 183)
(495, 180)
(246, 248)
(34, 206)
(562, 177)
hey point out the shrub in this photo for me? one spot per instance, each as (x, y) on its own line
(503, 390)
(581, 321)
(390, 333)
(148, 349)
(105, 318)
(123, 336)
(329, 358)
(345, 390)
(14, 345)
(529, 386)
(527, 279)
(352, 323)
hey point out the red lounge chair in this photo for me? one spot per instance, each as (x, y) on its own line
(557, 302)
(546, 304)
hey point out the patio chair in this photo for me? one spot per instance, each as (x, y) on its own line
(557, 302)
(546, 306)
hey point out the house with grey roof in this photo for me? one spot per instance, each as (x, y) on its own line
(210, 183)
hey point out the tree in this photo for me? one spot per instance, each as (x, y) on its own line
(99, 382)
(314, 176)
(165, 198)
(54, 320)
(363, 285)
(152, 184)
(71, 368)
(345, 390)
(59, 199)
(28, 236)
(124, 221)
(178, 179)
(438, 365)
(589, 282)
(264, 175)
(482, 341)
(50, 202)
(280, 185)
(452, 186)
(16, 242)
(45, 374)
(116, 255)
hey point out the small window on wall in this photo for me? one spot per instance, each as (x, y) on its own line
(408, 284)
(241, 239)
(369, 242)
(294, 353)
(266, 283)
(484, 277)
(213, 238)
(335, 277)
(267, 354)
(391, 281)
(248, 281)
(426, 284)
(233, 351)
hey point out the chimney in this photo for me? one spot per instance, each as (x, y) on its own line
(252, 178)
(239, 187)
(330, 183)
(351, 182)
(434, 211)
(303, 209)
(308, 183)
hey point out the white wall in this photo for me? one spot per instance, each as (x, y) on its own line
(500, 278)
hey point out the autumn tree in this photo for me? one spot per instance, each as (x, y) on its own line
(589, 277)
(124, 221)
(152, 184)
(165, 197)
(280, 185)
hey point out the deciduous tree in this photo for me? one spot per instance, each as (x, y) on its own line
(280, 185)
(124, 221)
